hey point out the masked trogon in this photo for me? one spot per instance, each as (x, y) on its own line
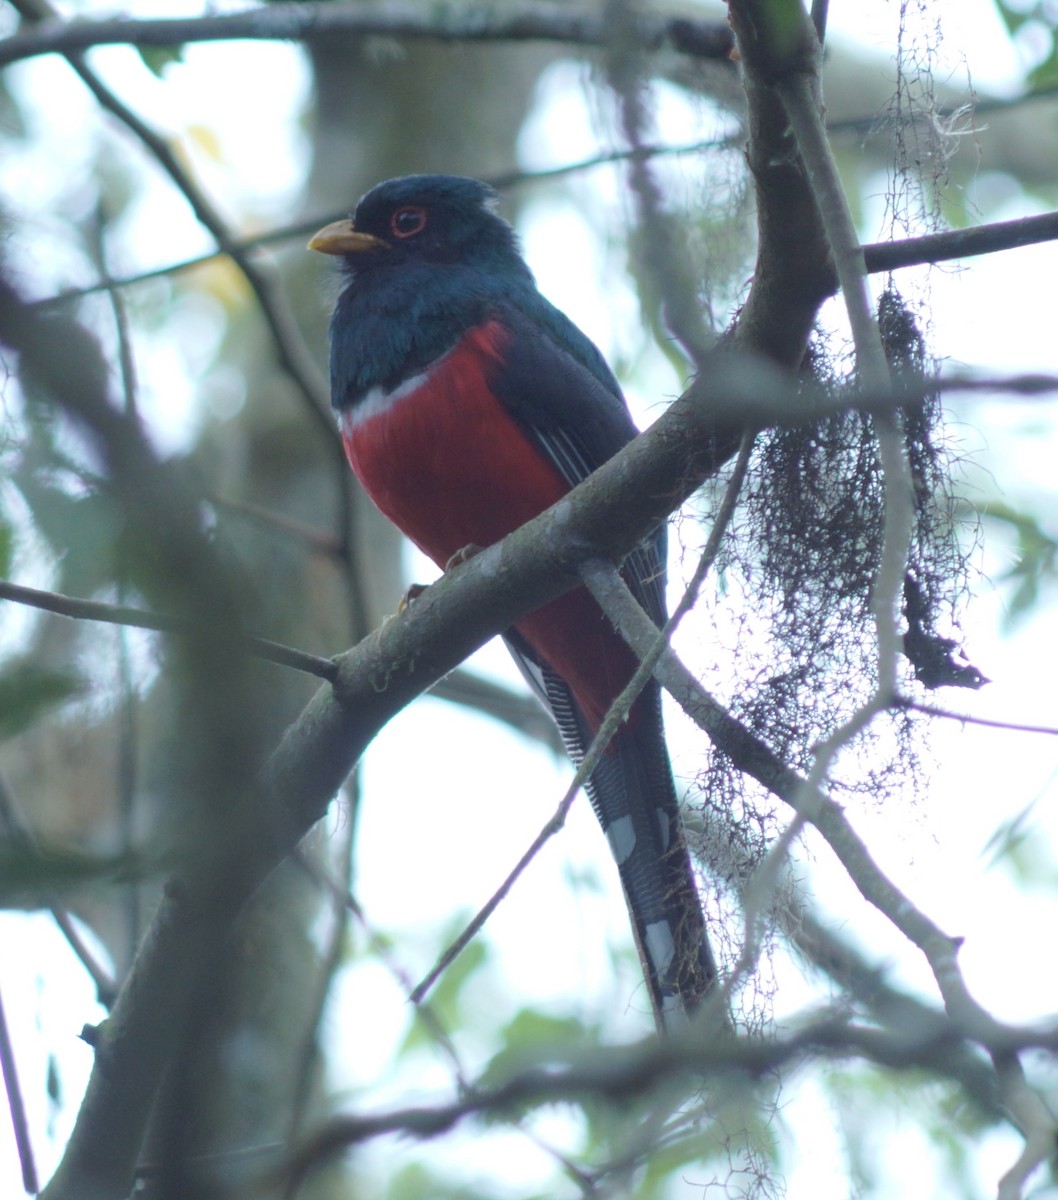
(468, 404)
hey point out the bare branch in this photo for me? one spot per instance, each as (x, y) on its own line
(620, 1074)
(292, 352)
(961, 243)
(931, 710)
(127, 615)
(16, 1107)
(751, 755)
(23, 841)
(528, 21)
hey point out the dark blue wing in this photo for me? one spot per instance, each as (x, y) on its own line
(560, 390)
(556, 386)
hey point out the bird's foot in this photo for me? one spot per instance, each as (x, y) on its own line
(462, 556)
(415, 590)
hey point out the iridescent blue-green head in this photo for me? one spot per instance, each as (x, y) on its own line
(434, 219)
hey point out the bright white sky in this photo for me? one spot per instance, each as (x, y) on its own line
(940, 855)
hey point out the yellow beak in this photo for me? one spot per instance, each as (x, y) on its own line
(341, 237)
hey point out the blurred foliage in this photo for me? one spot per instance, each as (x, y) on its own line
(449, 998)
(1019, 846)
(872, 1103)
(28, 690)
(1035, 557)
(417, 1179)
(1033, 26)
(27, 876)
(157, 58)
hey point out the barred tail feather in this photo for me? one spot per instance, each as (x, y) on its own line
(632, 793)
(633, 796)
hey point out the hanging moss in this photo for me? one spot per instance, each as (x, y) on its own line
(805, 550)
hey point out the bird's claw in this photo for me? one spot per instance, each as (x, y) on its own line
(415, 590)
(463, 555)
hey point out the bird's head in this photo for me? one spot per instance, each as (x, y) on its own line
(437, 219)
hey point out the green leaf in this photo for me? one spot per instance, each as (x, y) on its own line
(27, 691)
(157, 58)
(417, 1180)
(446, 999)
(1012, 18)
(529, 1038)
(1037, 557)
(84, 529)
(26, 875)
(7, 546)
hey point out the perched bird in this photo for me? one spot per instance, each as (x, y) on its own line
(468, 404)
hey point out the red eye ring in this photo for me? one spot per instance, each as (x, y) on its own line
(407, 221)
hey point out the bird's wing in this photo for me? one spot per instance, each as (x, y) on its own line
(575, 414)
(558, 388)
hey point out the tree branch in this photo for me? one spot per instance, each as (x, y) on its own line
(16, 1106)
(127, 615)
(940, 950)
(620, 1075)
(293, 355)
(528, 21)
(931, 710)
(879, 257)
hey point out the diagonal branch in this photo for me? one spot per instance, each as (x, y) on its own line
(750, 755)
(293, 355)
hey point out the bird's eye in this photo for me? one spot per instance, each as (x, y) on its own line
(408, 221)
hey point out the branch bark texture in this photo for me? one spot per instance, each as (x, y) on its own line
(527, 21)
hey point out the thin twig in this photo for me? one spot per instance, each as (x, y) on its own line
(317, 540)
(477, 922)
(16, 1106)
(22, 840)
(930, 710)
(293, 355)
(750, 755)
(127, 732)
(124, 614)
